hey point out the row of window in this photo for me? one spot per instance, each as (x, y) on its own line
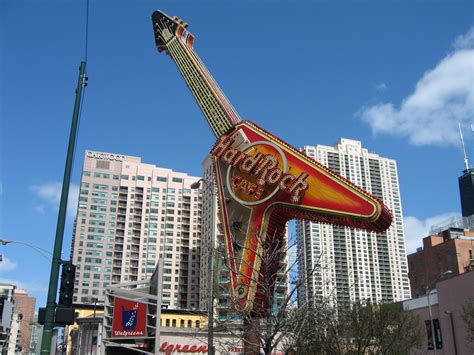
(126, 177)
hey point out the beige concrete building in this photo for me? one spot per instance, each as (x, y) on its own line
(130, 214)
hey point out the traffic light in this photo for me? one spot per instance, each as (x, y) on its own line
(66, 289)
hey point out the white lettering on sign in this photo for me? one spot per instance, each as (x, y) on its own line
(106, 156)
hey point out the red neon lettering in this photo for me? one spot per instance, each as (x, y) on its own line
(285, 180)
(298, 187)
(249, 163)
(193, 349)
(229, 156)
(221, 147)
(268, 163)
(185, 349)
(274, 176)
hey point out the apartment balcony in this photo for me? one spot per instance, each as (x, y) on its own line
(120, 225)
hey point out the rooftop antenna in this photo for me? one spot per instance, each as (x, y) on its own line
(466, 162)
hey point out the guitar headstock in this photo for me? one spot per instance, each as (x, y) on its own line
(167, 27)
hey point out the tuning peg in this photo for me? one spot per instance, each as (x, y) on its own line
(179, 21)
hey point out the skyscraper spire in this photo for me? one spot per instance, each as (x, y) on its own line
(466, 162)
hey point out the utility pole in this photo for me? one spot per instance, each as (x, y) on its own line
(58, 241)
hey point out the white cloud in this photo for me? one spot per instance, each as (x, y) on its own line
(50, 194)
(443, 97)
(30, 286)
(465, 41)
(7, 264)
(416, 229)
(381, 87)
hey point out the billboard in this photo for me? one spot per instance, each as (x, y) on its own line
(129, 319)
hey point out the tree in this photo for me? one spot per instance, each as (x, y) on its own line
(279, 317)
(468, 318)
(364, 326)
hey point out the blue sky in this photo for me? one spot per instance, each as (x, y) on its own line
(396, 75)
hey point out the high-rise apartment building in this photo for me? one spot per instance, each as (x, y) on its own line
(130, 214)
(344, 265)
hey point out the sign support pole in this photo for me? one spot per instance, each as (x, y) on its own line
(58, 242)
(158, 305)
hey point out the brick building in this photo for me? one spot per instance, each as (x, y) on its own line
(24, 306)
(445, 254)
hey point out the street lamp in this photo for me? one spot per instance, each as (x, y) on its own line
(433, 336)
(210, 323)
(44, 253)
(446, 273)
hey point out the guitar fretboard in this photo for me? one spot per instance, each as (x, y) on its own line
(217, 109)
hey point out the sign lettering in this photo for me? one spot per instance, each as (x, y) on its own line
(169, 348)
(129, 319)
(105, 156)
(257, 177)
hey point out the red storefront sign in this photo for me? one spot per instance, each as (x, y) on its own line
(187, 348)
(129, 319)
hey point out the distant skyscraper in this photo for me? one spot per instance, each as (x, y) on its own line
(130, 214)
(345, 265)
(466, 190)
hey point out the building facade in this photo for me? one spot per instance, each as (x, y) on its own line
(445, 254)
(466, 191)
(6, 313)
(344, 265)
(25, 308)
(441, 312)
(130, 214)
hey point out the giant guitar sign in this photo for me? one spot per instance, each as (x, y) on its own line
(262, 181)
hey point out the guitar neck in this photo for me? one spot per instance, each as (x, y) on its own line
(217, 109)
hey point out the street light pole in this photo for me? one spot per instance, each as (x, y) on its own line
(210, 269)
(58, 241)
(433, 336)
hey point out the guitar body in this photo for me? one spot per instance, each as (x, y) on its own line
(262, 183)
